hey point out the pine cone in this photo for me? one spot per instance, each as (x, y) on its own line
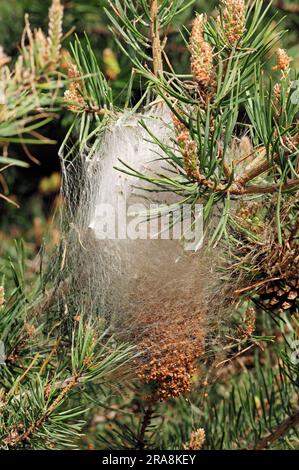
(281, 295)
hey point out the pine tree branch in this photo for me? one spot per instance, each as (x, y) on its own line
(145, 423)
(279, 432)
(256, 168)
(155, 38)
(13, 441)
(236, 189)
(270, 189)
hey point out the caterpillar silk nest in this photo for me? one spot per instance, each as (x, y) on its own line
(151, 290)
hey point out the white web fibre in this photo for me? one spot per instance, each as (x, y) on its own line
(121, 279)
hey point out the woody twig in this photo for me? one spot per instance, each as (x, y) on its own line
(155, 38)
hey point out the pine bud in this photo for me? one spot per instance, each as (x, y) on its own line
(201, 54)
(55, 31)
(277, 91)
(277, 97)
(250, 321)
(283, 60)
(41, 47)
(73, 93)
(234, 20)
(197, 439)
(112, 68)
(188, 148)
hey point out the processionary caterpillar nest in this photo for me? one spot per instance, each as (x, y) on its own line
(152, 292)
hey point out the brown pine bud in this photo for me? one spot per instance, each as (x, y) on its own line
(283, 60)
(55, 31)
(73, 94)
(234, 20)
(201, 54)
(197, 440)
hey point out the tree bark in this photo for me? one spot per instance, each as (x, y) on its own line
(280, 431)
